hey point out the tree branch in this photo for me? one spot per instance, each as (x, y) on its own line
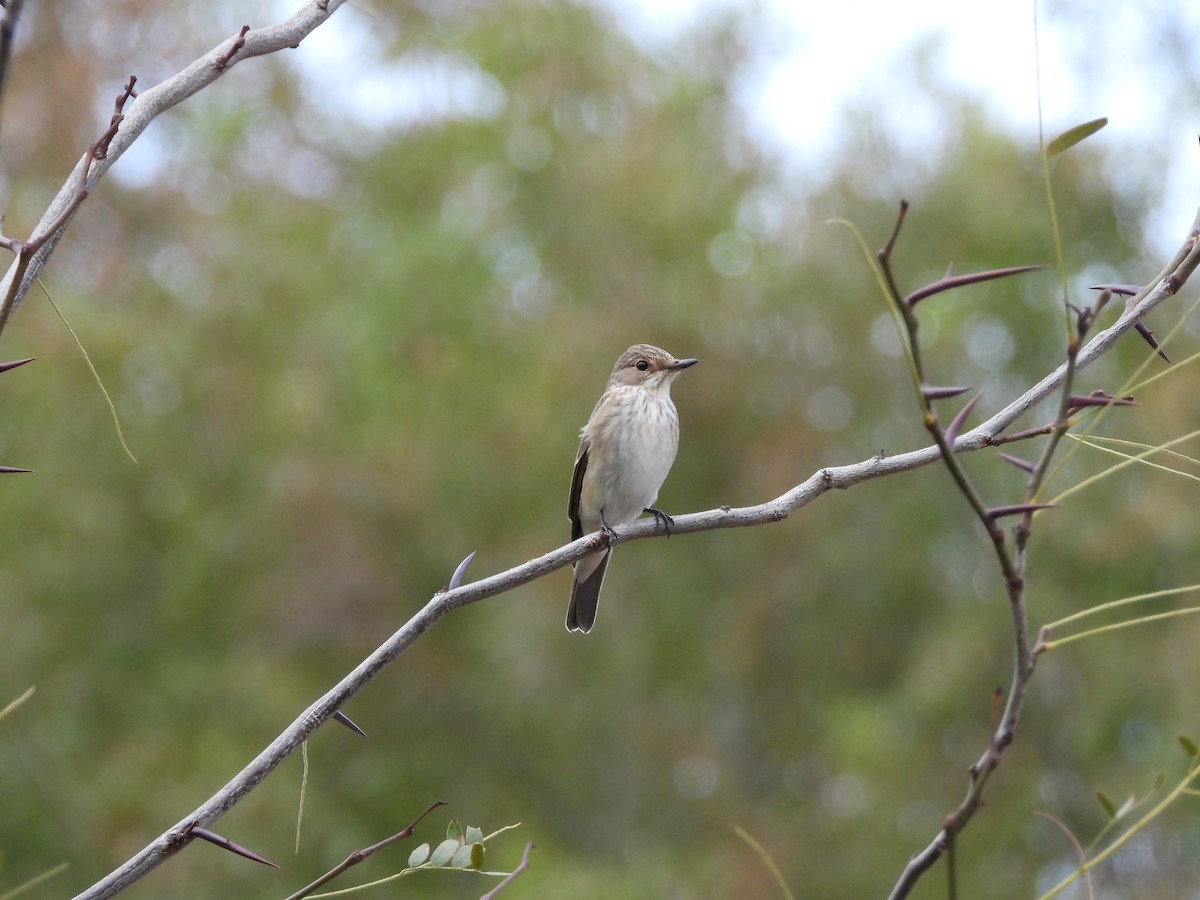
(775, 510)
(144, 109)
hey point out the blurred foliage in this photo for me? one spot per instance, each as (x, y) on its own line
(348, 350)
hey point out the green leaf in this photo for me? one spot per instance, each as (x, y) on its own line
(462, 857)
(1188, 745)
(1073, 136)
(474, 835)
(1110, 808)
(418, 856)
(454, 831)
(477, 855)
(444, 852)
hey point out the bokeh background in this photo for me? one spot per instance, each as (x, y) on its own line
(353, 309)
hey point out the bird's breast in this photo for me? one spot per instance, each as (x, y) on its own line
(633, 436)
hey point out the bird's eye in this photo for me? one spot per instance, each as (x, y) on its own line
(642, 365)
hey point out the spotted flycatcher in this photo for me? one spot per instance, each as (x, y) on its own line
(625, 452)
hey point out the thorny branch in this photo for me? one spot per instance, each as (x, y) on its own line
(98, 149)
(1012, 559)
(988, 434)
(122, 132)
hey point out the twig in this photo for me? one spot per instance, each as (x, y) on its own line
(512, 876)
(1079, 852)
(359, 855)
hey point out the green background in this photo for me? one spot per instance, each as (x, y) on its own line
(347, 353)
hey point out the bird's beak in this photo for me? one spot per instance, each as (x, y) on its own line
(683, 363)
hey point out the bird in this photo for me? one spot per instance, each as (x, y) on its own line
(625, 452)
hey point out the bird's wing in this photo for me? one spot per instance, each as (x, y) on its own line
(581, 462)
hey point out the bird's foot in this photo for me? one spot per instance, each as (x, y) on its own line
(661, 518)
(606, 532)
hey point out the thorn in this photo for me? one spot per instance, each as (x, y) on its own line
(1125, 290)
(340, 716)
(930, 392)
(997, 512)
(4, 470)
(957, 281)
(1130, 291)
(457, 577)
(1097, 398)
(1036, 431)
(238, 43)
(956, 425)
(5, 366)
(1023, 464)
(224, 843)
(1150, 339)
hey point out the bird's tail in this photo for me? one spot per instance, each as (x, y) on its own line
(585, 593)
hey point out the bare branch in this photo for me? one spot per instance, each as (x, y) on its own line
(146, 107)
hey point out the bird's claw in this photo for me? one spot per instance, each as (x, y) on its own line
(661, 518)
